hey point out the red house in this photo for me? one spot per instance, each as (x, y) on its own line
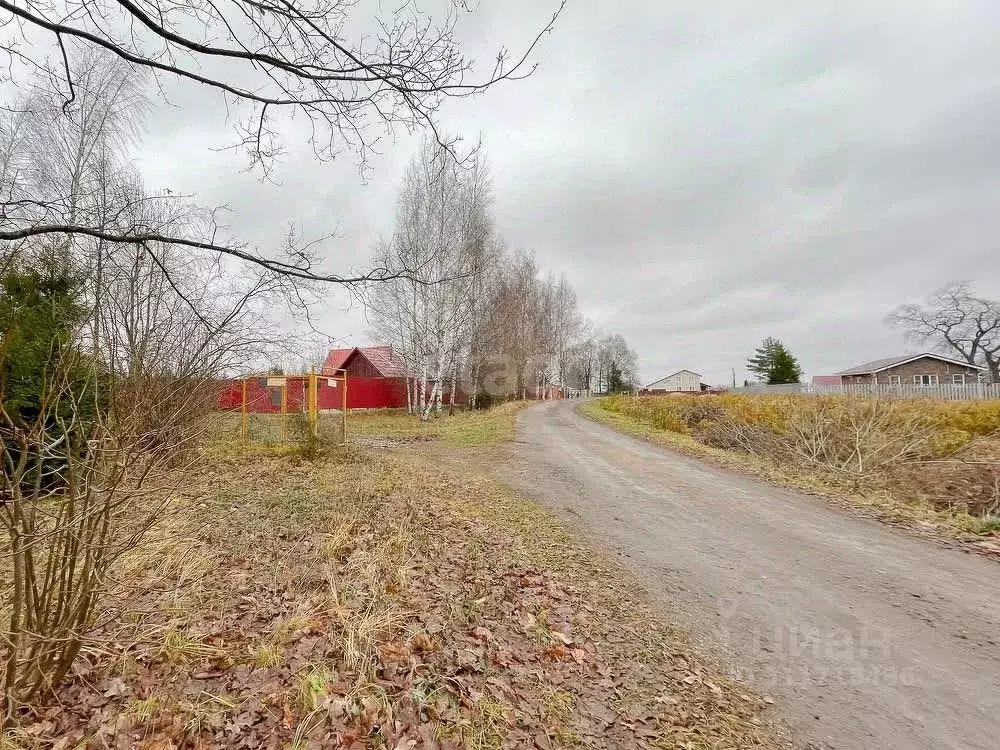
(376, 376)
(376, 379)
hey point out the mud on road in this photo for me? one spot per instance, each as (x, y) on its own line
(863, 636)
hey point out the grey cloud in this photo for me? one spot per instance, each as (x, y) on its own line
(705, 174)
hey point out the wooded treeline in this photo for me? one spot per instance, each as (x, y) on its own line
(473, 314)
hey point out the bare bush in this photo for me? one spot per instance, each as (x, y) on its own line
(731, 433)
(81, 484)
(107, 356)
(858, 437)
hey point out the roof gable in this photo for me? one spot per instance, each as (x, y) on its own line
(674, 374)
(878, 365)
(381, 358)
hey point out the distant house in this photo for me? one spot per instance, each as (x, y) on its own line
(376, 376)
(924, 370)
(682, 380)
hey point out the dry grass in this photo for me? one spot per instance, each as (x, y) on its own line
(309, 603)
(270, 433)
(464, 428)
(931, 464)
(652, 658)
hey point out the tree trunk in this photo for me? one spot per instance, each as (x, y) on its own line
(422, 396)
(439, 382)
(454, 383)
(474, 394)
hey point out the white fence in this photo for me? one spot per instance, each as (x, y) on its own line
(969, 391)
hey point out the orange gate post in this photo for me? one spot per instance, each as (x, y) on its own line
(313, 404)
(284, 410)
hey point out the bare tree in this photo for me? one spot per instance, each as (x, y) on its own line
(483, 299)
(567, 326)
(266, 61)
(583, 361)
(469, 307)
(515, 319)
(442, 235)
(955, 321)
(616, 357)
(104, 399)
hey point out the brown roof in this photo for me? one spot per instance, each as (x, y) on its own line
(385, 362)
(336, 359)
(877, 365)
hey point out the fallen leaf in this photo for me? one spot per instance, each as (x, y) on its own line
(116, 688)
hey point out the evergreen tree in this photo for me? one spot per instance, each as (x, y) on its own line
(45, 382)
(773, 364)
(784, 367)
(762, 361)
(616, 382)
(39, 312)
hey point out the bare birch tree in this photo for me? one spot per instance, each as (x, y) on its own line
(443, 233)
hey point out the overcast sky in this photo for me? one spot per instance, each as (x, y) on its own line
(706, 174)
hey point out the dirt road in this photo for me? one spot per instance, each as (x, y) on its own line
(863, 636)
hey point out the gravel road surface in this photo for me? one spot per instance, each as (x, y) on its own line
(863, 636)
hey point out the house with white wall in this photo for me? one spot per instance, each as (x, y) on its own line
(682, 380)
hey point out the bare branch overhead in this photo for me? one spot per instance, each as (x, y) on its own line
(281, 54)
(262, 57)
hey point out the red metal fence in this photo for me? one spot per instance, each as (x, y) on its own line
(264, 394)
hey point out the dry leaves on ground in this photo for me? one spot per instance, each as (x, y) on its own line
(371, 601)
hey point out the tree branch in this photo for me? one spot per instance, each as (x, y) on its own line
(299, 271)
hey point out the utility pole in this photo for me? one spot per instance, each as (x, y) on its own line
(733, 369)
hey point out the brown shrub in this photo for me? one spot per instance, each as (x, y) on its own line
(943, 452)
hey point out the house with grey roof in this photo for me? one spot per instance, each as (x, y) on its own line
(926, 369)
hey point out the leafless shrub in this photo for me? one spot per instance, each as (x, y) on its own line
(124, 374)
(857, 438)
(79, 490)
(731, 433)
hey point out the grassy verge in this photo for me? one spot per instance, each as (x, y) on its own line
(905, 511)
(370, 599)
(469, 428)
